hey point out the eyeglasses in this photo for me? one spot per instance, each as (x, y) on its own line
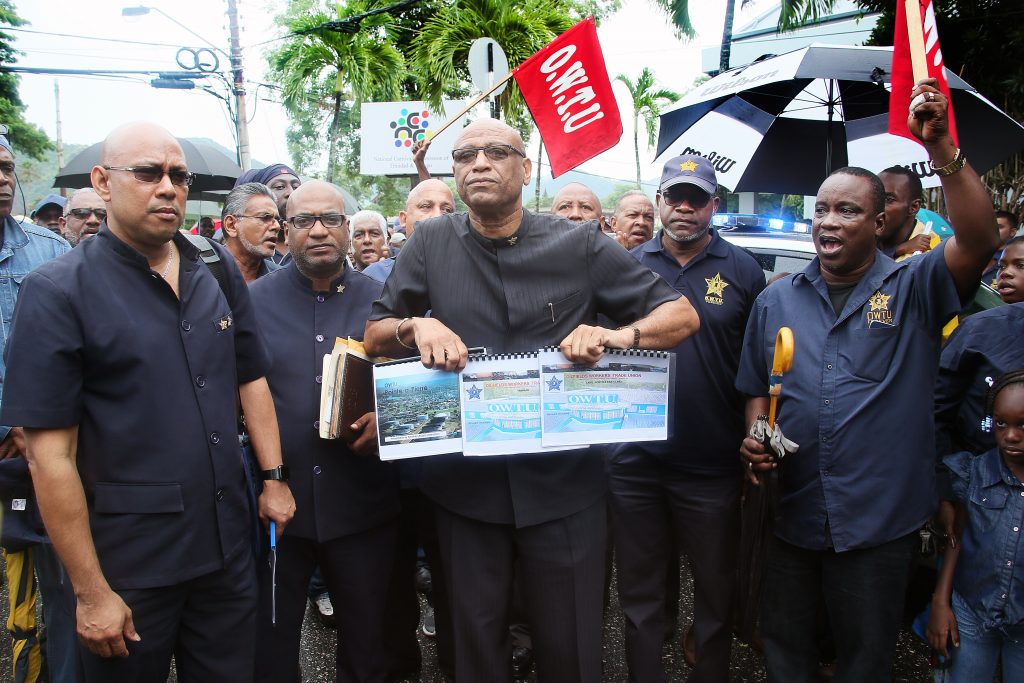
(331, 221)
(694, 196)
(83, 214)
(154, 174)
(467, 155)
(265, 218)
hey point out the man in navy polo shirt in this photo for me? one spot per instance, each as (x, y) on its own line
(347, 498)
(684, 493)
(124, 363)
(859, 402)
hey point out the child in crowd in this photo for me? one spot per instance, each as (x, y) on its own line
(978, 606)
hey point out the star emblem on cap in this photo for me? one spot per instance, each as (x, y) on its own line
(689, 165)
(716, 285)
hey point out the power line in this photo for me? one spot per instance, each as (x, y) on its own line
(80, 37)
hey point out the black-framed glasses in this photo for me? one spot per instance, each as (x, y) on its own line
(694, 196)
(467, 155)
(154, 174)
(264, 218)
(331, 221)
(83, 214)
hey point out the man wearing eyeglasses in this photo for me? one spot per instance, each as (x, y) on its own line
(125, 361)
(512, 281)
(251, 225)
(83, 215)
(684, 493)
(347, 498)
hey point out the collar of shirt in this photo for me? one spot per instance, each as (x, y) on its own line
(338, 284)
(881, 269)
(994, 472)
(107, 238)
(14, 235)
(464, 227)
(716, 247)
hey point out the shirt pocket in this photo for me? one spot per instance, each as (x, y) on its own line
(564, 307)
(114, 498)
(987, 505)
(9, 287)
(872, 352)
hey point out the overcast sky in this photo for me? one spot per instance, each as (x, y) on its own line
(637, 36)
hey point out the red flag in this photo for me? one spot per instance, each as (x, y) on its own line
(903, 72)
(566, 87)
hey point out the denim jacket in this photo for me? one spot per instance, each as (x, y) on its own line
(25, 246)
(987, 576)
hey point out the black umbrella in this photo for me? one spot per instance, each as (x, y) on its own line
(784, 123)
(214, 170)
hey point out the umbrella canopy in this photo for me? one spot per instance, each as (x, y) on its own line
(784, 123)
(214, 170)
(218, 196)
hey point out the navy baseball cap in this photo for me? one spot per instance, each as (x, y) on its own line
(690, 169)
(48, 199)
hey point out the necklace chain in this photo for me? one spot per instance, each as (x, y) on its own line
(170, 260)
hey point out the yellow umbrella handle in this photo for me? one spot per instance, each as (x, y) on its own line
(781, 363)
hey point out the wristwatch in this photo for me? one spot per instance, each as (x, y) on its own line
(279, 473)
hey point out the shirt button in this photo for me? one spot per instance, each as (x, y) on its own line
(829, 366)
(215, 438)
(316, 469)
(824, 438)
(220, 494)
(201, 381)
(1009, 563)
(316, 425)
(1016, 528)
(826, 401)
(320, 298)
(186, 325)
(1003, 596)
(319, 337)
(319, 379)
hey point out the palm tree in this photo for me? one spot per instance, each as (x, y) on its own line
(364, 63)
(520, 28)
(647, 103)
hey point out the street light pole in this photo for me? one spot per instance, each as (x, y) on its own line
(241, 115)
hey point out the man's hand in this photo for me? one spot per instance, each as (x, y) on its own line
(439, 347)
(755, 459)
(419, 158)
(276, 504)
(945, 521)
(623, 239)
(942, 627)
(586, 344)
(13, 445)
(365, 430)
(104, 622)
(922, 242)
(928, 116)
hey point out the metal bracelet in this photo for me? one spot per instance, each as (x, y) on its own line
(398, 333)
(958, 162)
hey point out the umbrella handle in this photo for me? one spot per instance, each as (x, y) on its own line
(781, 363)
(273, 535)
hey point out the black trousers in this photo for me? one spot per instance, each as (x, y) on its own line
(207, 623)
(357, 569)
(562, 569)
(656, 511)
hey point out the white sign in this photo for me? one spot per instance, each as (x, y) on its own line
(389, 130)
(487, 65)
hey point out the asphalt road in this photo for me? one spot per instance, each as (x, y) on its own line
(318, 645)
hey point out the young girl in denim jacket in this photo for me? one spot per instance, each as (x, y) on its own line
(978, 604)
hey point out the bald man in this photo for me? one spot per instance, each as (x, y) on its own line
(536, 280)
(125, 361)
(83, 215)
(577, 202)
(431, 197)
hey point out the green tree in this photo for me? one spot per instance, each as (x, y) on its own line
(24, 136)
(363, 63)
(647, 104)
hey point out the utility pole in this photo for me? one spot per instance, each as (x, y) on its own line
(60, 144)
(241, 115)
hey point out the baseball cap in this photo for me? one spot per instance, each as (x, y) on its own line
(397, 238)
(691, 169)
(48, 199)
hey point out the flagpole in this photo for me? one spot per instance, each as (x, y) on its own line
(479, 98)
(915, 37)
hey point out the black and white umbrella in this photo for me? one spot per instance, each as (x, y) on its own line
(784, 123)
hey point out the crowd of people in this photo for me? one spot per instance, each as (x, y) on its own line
(162, 391)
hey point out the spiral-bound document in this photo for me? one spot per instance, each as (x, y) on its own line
(623, 398)
(501, 405)
(417, 410)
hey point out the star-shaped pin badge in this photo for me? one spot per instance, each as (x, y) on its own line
(341, 289)
(474, 393)
(554, 384)
(512, 240)
(879, 302)
(688, 165)
(716, 285)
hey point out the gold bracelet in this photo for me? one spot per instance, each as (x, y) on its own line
(398, 335)
(958, 162)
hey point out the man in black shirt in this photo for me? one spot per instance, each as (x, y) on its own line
(503, 278)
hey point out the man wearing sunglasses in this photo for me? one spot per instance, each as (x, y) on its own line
(251, 225)
(347, 498)
(684, 493)
(126, 359)
(501, 277)
(83, 215)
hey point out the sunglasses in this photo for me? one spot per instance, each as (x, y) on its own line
(154, 174)
(83, 214)
(694, 196)
(467, 155)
